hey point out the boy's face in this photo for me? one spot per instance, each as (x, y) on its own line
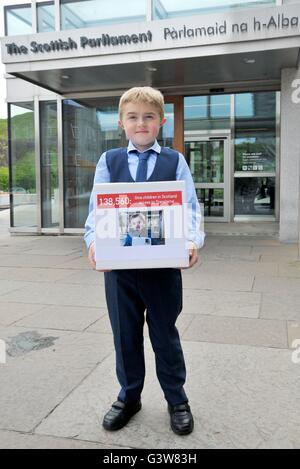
(141, 122)
(137, 224)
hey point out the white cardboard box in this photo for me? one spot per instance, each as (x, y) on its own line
(141, 225)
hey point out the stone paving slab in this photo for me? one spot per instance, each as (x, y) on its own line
(289, 257)
(12, 312)
(81, 262)
(256, 332)
(291, 269)
(276, 285)
(247, 241)
(10, 286)
(219, 282)
(35, 274)
(83, 277)
(240, 268)
(69, 318)
(26, 260)
(281, 305)
(55, 294)
(234, 304)
(229, 389)
(294, 334)
(44, 368)
(289, 250)
(17, 440)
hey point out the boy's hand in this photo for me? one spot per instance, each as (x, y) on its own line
(92, 257)
(193, 254)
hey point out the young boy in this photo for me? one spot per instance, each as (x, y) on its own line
(158, 291)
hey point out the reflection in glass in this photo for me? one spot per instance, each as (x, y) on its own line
(255, 153)
(18, 20)
(23, 175)
(166, 133)
(89, 13)
(172, 8)
(88, 132)
(49, 164)
(255, 132)
(206, 161)
(206, 112)
(212, 200)
(254, 196)
(45, 17)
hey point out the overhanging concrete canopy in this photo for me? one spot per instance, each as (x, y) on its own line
(178, 74)
(240, 48)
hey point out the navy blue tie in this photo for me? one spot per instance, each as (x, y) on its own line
(141, 173)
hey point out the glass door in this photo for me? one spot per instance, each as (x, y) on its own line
(208, 158)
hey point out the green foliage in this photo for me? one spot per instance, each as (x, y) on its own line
(3, 143)
(24, 173)
(4, 179)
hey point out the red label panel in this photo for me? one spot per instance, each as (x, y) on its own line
(139, 199)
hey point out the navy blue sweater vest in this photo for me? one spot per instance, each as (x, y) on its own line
(164, 170)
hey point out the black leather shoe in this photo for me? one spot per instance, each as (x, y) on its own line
(182, 422)
(120, 414)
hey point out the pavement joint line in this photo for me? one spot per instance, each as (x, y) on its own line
(14, 323)
(287, 335)
(95, 442)
(54, 437)
(71, 391)
(260, 306)
(92, 324)
(47, 328)
(53, 304)
(48, 304)
(263, 347)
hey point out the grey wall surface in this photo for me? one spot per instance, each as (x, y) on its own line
(290, 154)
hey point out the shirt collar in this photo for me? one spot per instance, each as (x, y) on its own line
(155, 147)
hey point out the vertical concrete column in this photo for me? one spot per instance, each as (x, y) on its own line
(290, 155)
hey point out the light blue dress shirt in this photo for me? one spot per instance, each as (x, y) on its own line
(183, 173)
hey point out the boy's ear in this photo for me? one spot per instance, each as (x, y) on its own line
(164, 120)
(120, 124)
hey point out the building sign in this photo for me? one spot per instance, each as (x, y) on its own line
(253, 161)
(84, 42)
(194, 31)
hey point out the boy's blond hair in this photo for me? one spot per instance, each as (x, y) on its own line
(143, 94)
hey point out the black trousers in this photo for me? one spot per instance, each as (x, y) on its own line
(128, 294)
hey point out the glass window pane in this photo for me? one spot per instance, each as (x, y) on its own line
(89, 13)
(166, 133)
(89, 130)
(206, 161)
(45, 17)
(255, 132)
(212, 200)
(206, 112)
(255, 153)
(22, 149)
(18, 20)
(172, 8)
(49, 164)
(254, 196)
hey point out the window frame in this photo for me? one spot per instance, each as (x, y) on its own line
(14, 7)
